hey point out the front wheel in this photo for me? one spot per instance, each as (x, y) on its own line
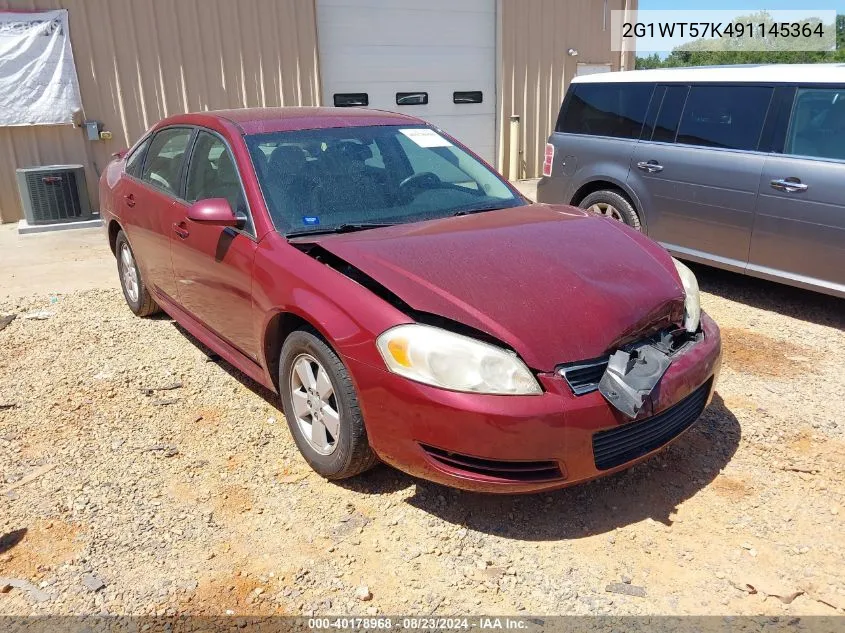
(135, 291)
(614, 205)
(322, 409)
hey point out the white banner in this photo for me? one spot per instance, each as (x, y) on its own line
(38, 83)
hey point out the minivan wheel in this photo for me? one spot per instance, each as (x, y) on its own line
(135, 291)
(322, 409)
(613, 205)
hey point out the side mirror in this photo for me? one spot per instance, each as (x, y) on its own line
(213, 211)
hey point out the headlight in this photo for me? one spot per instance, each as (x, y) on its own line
(451, 361)
(692, 302)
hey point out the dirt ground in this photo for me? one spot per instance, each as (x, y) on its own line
(63, 261)
(141, 477)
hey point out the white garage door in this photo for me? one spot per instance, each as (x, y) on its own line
(439, 51)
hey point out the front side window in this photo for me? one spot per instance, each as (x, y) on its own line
(730, 117)
(164, 159)
(214, 174)
(612, 109)
(818, 124)
(325, 180)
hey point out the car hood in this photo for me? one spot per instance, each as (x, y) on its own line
(553, 282)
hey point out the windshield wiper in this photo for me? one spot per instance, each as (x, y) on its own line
(489, 207)
(348, 227)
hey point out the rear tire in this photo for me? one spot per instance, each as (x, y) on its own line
(135, 291)
(612, 204)
(326, 421)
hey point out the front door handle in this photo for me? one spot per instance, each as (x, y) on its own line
(789, 185)
(181, 230)
(129, 198)
(651, 166)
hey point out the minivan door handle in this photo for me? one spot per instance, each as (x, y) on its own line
(651, 166)
(789, 185)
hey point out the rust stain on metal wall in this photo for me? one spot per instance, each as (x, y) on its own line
(139, 61)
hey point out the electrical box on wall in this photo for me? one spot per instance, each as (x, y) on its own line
(92, 130)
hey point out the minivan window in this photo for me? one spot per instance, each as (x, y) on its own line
(730, 117)
(818, 124)
(666, 127)
(612, 109)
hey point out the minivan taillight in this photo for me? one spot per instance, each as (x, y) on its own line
(548, 160)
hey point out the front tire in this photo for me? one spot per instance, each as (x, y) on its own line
(614, 205)
(135, 291)
(322, 409)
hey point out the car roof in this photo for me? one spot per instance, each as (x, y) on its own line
(746, 73)
(266, 120)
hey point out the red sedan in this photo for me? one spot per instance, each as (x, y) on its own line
(405, 302)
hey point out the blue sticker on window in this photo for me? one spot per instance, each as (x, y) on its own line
(310, 220)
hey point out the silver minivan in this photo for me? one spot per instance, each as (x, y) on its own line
(740, 167)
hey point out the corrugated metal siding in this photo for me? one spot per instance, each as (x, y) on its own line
(535, 36)
(141, 60)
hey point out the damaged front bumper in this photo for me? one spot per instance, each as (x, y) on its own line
(508, 444)
(634, 371)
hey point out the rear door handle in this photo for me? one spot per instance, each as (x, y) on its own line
(181, 230)
(651, 166)
(130, 199)
(789, 185)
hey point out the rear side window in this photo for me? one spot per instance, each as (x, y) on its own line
(729, 117)
(818, 124)
(164, 159)
(666, 126)
(613, 109)
(136, 160)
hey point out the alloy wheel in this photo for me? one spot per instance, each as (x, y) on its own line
(604, 208)
(129, 273)
(314, 404)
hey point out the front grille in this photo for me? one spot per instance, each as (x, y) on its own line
(504, 470)
(617, 446)
(584, 377)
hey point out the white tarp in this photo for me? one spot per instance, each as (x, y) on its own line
(38, 83)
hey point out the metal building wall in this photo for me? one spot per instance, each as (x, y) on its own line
(141, 60)
(536, 69)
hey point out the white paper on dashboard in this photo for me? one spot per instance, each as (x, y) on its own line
(426, 137)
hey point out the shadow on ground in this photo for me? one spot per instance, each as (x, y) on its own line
(10, 539)
(653, 489)
(797, 303)
(257, 388)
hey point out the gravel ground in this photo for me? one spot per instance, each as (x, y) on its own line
(141, 477)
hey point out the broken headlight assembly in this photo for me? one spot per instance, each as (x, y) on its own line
(692, 300)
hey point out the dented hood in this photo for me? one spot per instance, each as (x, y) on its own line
(553, 282)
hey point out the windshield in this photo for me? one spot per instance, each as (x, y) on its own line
(358, 177)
